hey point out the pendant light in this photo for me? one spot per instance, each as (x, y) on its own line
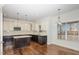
(59, 17)
(17, 19)
(17, 28)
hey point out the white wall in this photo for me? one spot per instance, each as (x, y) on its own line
(52, 29)
(0, 29)
(52, 33)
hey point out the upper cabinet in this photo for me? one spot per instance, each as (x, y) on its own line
(35, 27)
(22, 26)
(44, 28)
(9, 24)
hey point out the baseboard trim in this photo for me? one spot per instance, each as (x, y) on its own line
(48, 43)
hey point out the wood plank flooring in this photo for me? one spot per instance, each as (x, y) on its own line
(32, 49)
(37, 49)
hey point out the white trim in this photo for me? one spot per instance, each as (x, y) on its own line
(48, 43)
(70, 47)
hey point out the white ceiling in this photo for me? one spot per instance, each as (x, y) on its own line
(36, 11)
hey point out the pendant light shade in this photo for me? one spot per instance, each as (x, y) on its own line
(17, 19)
(17, 28)
(59, 17)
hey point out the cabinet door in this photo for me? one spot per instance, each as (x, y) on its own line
(27, 27)
(35, 27)
(19, 43)
(42, 39)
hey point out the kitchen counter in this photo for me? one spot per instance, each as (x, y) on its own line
(14, 33)
(21, 36)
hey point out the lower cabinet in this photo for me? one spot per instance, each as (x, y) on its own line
(39, 39)
(25, 41)
(34, 38)
(42, 39)
(7, 41)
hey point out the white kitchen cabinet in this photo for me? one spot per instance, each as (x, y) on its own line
(44, 27)
(35, 27)
(9, 25)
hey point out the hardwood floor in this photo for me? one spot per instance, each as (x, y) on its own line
(59, 50)
(37, 49)
(32, 49)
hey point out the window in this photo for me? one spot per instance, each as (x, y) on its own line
(68, 31)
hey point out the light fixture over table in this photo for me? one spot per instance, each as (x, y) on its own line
(59, 17)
